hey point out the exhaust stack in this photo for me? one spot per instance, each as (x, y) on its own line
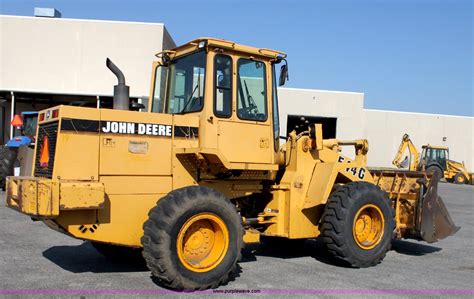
(121, 90)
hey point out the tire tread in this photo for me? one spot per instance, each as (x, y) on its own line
(158, 227)
(335, 213)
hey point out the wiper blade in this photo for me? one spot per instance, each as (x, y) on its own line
(198, 84)
(189, 100)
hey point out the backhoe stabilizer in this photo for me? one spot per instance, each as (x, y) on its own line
(435, 221)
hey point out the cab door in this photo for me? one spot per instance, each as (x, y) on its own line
(442, 159)
(244, 133)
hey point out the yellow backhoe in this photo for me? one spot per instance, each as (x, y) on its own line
(433, 159)
(201, 172)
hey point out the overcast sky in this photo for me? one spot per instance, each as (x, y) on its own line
(404, 55)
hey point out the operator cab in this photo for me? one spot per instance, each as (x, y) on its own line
(231, 88)
(433, 155)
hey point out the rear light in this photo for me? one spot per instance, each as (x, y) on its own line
(55, 113)
(17, 138)
(41, 117)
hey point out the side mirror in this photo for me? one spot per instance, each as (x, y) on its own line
(283, 74)
(220, 80)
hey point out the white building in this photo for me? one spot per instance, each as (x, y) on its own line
(45, 61)
(383, 129)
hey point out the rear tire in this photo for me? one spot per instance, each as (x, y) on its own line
(357, 224)
(436, 171)
(193, 239)
(460, 179)
(7, 163)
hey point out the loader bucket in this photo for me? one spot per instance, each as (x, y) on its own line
(435, 222)
(420, 213)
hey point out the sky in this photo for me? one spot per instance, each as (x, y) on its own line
(404, 55)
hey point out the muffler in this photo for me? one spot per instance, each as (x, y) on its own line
(121, 90)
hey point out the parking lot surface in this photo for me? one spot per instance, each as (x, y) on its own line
(34, 257)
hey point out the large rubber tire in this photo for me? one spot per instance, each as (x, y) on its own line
(438, 173)
(339, 225)
(166, 222)
(460, 179)
(7, 163)
(117, 253)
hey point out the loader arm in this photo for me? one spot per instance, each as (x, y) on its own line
(414, 155)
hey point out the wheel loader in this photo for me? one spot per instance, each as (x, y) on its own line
(433, 159)
(201, 172)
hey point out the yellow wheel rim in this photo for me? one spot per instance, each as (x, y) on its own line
(202, 242)
(460, 179)
(368, 226)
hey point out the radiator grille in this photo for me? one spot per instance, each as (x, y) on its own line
(50, 130)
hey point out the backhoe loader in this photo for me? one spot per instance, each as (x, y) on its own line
(202, 172)
(433, 159)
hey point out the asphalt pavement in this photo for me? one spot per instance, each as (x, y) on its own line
(37, 260)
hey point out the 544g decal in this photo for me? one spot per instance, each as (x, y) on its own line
(357, 171)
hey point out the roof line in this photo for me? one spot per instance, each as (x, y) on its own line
(419, 113)
(83, 20)
(321, 90)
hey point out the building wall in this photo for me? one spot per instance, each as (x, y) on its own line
(384, 130)
(347, 107)
(67, 56)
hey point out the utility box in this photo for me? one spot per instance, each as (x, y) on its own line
(47, 12)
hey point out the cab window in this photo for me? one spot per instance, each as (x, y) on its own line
(223, 86)
(185, 92)
(251, 90)
(158, 104)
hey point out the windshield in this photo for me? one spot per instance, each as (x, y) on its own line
(29, 125)
(186, 84)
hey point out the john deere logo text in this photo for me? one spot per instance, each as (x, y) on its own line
(135, 128)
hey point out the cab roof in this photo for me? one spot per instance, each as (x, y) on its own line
(435, 147)
(225, 44)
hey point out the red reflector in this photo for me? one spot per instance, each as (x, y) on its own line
(17, 121)
(44, 154)
(41, 117)
(55, 113)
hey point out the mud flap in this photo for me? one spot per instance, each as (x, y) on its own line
(435, 223)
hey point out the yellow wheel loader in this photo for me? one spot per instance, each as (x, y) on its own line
(433, 159)
(202, 172)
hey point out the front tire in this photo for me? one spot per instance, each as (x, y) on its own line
(193, 239)
(437, 172)
(357, 224)
(8, 156)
